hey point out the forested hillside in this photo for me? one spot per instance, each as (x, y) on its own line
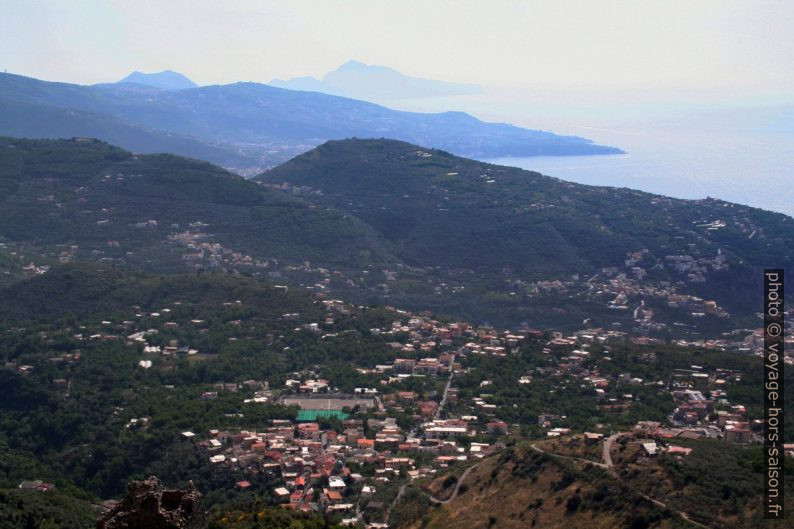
(382, 221)
(445, 212)
(95, 201)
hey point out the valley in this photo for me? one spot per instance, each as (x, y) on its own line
(268, 396)
(396, 265)
(374, 333)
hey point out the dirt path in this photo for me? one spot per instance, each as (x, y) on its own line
(456, 489)
(609, 466)
(393, 503)
(552, 454)
(608, 449)
(446, 390)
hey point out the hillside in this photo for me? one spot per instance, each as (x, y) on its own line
(715, 485)
(10, 267)
(84, 199)
(267, 125)
(89, 290)
(474, 219)
(382, 221)
(31, 120)
(521, 488)
(86, 405)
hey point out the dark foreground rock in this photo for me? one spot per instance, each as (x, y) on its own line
(149, 506)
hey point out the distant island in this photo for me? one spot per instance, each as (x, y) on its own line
(376, 83)
(166, 80)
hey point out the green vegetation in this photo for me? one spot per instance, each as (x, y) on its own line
(555, 391)
(44, 510)
(94, 422)
(380, 221)
(10, 268)
(88, 425)
(259, 516)
(482, 225)
(718, 484)
(81, 406)
(114, 206)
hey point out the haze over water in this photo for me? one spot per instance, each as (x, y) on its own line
(734, 152)
(700, 94)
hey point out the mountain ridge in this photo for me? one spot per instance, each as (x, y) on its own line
(252, 125)
(440, 210)
(384, 221)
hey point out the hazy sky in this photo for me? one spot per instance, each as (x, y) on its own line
(727, 48)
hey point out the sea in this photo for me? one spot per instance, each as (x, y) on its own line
(741, 153)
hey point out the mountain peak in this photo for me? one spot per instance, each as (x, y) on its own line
(354, 64)
(165, 80)
(372, 82)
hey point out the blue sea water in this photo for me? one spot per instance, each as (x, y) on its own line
(738, 160)
(742, 152)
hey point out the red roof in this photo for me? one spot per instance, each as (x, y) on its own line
(334, 495)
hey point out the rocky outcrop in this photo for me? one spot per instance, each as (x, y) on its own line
(149, 506)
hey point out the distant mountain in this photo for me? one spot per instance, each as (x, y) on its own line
(165, 80)
(376, 83)
(30, 120)
(250, 125)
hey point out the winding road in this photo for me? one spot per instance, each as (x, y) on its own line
(609, 466)
(432, 499)
(412, 435)
(583, 460)
(608, 449)
(456, 489)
